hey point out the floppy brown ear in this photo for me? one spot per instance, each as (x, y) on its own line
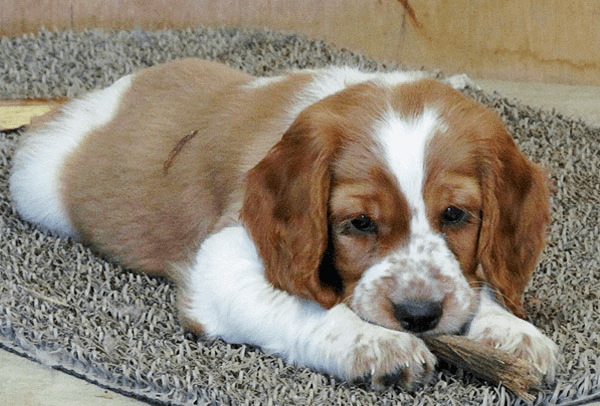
(515, 217)
(286, 205)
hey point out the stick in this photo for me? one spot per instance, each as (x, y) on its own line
(493, 365)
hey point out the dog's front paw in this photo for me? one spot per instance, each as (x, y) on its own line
(385, 357)
(521, 338)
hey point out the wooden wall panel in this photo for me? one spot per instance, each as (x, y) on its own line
(535, 40)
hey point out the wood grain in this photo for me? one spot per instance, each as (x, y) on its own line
(17, 113)
(552, 41)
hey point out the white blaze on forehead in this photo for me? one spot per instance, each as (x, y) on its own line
(424, 267)
(404, 141)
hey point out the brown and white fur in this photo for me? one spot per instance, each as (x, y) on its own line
(329, 216)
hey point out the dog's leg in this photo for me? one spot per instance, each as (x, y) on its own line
(225, 294)
(496, 326)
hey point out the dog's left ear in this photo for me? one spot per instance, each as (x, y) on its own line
(286, 206)
(515, 218)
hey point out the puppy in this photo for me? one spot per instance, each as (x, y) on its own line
(328, 216)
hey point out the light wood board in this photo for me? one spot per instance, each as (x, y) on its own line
(17, 113)
(553, 41)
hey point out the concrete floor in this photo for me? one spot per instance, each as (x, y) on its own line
(26, 383)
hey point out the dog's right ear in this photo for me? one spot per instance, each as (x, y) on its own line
(286, 206)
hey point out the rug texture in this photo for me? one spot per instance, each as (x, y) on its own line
(66, 308)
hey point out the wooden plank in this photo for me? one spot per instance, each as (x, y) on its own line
(17, 113)
(26, 16)
(550, 41)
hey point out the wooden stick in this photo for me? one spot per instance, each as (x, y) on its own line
(493, 365)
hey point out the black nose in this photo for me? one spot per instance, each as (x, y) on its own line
(418, 315)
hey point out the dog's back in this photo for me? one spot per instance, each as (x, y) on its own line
(98, 166)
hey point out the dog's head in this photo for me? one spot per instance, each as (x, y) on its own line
(400, 201)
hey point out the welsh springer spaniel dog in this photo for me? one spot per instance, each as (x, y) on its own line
(329, 216)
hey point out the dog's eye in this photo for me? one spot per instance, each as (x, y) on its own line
(452, 216)
(363, 225)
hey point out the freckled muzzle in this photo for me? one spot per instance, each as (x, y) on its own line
(417, 289)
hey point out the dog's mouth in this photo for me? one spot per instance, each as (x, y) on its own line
(422, 325)
(465, 327)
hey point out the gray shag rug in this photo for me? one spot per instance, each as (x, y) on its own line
(66, 308)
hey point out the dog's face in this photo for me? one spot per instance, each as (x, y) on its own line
(399, 201)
